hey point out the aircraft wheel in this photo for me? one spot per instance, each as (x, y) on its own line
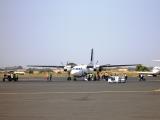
(74, 79)
(154, 75)
(94, 78)
(15, 80)
(69, 78)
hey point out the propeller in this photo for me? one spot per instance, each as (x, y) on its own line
(67, 68)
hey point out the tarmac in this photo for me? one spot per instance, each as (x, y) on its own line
(59, 99)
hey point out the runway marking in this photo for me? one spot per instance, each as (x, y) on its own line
(153, 80)
(95, 92)
(157, 90)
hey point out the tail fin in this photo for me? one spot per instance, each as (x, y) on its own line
(91, 60)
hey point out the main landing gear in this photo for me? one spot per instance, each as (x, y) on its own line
(68, 78)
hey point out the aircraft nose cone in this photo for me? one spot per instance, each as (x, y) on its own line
(74, 73)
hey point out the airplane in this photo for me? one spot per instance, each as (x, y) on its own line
(85, 71)
(154, 72)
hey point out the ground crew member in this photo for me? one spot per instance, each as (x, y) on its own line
(141, 77)
(50, 76)
(14, 77)
(11, 75)
(125, 76)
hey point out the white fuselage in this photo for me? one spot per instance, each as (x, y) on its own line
(81, 71)
(156, 70)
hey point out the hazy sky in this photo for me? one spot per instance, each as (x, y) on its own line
(49, 32)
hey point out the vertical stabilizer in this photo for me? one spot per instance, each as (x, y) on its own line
(91, 60)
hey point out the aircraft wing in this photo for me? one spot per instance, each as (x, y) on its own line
(55, 66)
(108, 65)
(52, 66)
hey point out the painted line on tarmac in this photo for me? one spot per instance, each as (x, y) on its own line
(156, 90)
(95, 92)
(153, 80)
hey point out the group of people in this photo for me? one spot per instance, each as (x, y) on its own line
(92, 77)
(141, 77)
(106, 76)
(10, 77)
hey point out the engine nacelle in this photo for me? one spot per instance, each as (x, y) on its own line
(96, 68)
(67, 68)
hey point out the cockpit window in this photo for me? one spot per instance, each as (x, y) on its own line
(76, 68)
